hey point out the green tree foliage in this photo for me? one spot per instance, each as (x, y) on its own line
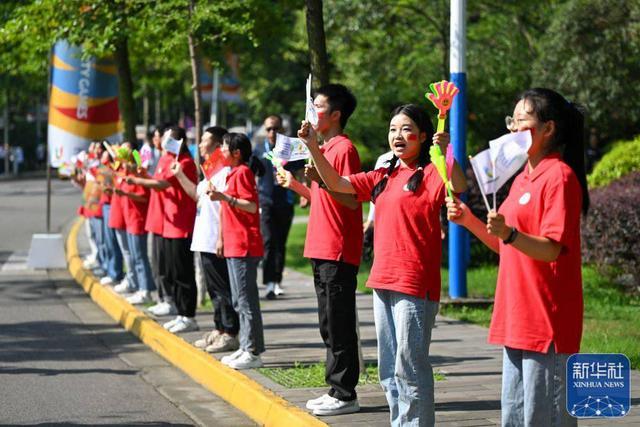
(621, 160)
(591, 53)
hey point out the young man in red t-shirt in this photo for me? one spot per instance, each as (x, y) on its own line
(334, 245)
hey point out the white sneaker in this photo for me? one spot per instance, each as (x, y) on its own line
(89, 263)
(167, 309)
(207, 339)
(140, 297)
(246, 361)
(271, 291)
(231, 357)
(168, 325)
(153, 308)
(317, 402)
(123, 288)
(185, 324)
(106, 280)
(333, 406)
(278, 290)
(222, 343)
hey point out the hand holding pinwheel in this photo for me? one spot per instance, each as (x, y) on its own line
(442, 96)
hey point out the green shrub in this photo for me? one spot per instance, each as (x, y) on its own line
(622, 159)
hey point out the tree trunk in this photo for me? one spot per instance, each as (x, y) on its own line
(145, 110)
(125, 86)
(195, 87)
(317, 43)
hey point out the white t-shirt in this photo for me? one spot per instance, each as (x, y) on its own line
(206, 227)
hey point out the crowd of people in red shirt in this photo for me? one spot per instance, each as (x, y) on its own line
(223, 213)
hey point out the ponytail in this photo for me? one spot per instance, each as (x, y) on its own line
(569, 135)
(573, 154)
(256, 166)
(380, 186)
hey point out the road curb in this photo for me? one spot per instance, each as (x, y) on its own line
(260, 404)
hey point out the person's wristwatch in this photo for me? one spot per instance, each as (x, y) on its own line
(512, 236)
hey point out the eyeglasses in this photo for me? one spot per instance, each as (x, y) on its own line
(272, 129)
(511, 123)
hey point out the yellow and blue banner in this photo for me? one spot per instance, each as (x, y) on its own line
(83, 106)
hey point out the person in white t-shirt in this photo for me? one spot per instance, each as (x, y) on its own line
(205, 238)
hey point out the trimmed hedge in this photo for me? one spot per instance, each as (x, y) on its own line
(611, 230)
(622, 159)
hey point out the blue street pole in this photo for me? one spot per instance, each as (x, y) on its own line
(458, 236)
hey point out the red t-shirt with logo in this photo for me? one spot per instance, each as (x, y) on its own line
(155, 213)
(536, 302)
(407, 243)
(334, 231)
(241, 229)
(135, 212)
(179, 207)
(116, 217)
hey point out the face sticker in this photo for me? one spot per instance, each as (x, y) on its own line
(412, 137)
(524, 199)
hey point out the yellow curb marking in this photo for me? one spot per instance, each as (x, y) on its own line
(260, 404)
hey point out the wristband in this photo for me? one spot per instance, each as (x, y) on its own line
(512, 236)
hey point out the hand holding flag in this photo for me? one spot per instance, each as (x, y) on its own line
(310, 115)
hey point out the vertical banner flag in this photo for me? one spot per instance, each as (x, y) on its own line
(84, 103)
(230, 82)
(205, 77)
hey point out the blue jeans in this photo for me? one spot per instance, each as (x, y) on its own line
(140, 261)
(534, 389)
(243, 275)
(96, 230)
(114, 256)
(403, 327)
(123, 242)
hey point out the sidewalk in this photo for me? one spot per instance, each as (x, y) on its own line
(468, 396)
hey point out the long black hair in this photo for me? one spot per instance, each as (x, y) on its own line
(569, 135)
(240, 141)
(421, 119)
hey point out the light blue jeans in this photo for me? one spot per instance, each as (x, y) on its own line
(123, 242)
(403, 327)
(534, 389)
(112, 250)
(140, 261)
(243, 275)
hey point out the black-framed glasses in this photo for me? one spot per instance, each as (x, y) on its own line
(272, 129)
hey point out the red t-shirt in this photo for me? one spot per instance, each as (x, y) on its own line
(538, 302)
(241, 229)
(179, 207)
(407, 244)
(135, 212)
(116, 218)
(155, 213)
(334, 231)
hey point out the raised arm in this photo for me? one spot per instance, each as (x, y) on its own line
(329, 175)
(188, 186)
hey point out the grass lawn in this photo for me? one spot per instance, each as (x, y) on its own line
(611, 318)
(304, 376)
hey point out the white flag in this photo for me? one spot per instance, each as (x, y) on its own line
(483, 168)
(509, 153)
(171, 145)
(290, 149)
(310, 115)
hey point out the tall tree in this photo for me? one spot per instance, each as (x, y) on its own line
(317, 43)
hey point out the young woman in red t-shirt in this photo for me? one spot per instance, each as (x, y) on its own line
(537, 315)
(405, 274)
(242, 246)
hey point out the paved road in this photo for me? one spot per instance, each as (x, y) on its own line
(62, 360)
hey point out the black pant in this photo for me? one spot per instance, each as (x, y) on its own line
(181, 276)
(275, 221)
(158, 267)
(216, 276)
(335, 284)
